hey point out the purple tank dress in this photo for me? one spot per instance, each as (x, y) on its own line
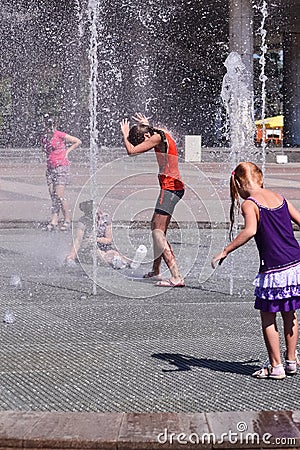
(277, 285)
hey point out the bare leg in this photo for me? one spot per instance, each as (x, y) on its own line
(76, 244)
(162, 248)
(290, 323)
(158, 223)
(271, 337)
(108, 257)
(55, 205)
(60, 192)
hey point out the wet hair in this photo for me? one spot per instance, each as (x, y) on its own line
(50, 122)
(241, 175)
(87, 207)
(137, 134)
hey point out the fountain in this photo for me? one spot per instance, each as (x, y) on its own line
(64, 349)
(263, 78)
(79, 12)
(237, 98)
(93, 14)
(94, 187)
(108, 72)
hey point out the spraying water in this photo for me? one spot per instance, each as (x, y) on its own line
(93, 13)
(15, 281)
(263, 79)
(237, 99)
(79, 13)
(9, 317)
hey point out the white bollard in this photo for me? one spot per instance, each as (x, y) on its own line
(192, 148)
(281, 159)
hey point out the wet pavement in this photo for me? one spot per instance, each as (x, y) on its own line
(132, 347)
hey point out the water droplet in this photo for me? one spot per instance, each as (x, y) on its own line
(9, 317)
(15, 281)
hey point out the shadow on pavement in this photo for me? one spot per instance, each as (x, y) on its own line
(185, 362)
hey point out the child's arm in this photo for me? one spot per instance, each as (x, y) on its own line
(107, 239)
(250, 213)
(72, 140)
(148, 144)
(294, 213)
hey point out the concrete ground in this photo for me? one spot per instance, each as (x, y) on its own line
(137, 357)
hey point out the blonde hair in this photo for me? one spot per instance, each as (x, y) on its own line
(241, 176)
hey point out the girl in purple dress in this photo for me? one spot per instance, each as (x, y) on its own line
(267, 217)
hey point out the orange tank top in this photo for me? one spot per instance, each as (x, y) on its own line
(169, 175)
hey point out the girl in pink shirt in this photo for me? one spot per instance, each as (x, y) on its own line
(54, 144)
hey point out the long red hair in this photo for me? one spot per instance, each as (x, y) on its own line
(241, 176)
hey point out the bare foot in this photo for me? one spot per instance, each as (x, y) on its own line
(170, 283)
(153, 276)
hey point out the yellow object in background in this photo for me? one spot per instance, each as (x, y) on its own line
(271, 122)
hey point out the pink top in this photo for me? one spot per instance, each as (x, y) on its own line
(56, 150)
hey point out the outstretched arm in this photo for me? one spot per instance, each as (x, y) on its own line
(72, 140)
(125, 130)
(149, 142)
(250, 213)
(107, 239)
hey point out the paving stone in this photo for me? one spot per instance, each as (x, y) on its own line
(14, 425)
(82, 431)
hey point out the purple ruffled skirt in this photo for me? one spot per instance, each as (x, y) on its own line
(278, 291)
